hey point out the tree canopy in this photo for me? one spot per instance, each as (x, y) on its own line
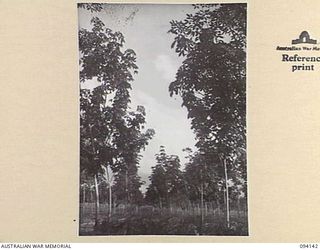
(212, 84)
(212, 78)
(166, 180)
(111, 133)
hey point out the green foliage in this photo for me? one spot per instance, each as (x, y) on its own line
(212, 82)
(201, 171)
(102, 57)
(111, 133)
(92, 7)
(167, 185)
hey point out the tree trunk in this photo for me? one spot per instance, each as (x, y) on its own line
(227, 193)
(110, 200)
(206, 208)
(127, 190)
(202, 217)
(97, 205)
(95, 182)
(84, 195)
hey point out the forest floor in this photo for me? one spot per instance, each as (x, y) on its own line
(154, 221)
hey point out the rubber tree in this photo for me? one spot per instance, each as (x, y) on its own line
(105, 115)
(212, 79)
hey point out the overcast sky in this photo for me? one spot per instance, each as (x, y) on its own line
(145, 27)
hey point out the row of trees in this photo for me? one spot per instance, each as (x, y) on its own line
(172, 185)
(212, 84)
(112, 134)
(200, 181)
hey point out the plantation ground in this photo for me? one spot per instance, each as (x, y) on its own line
(147, 220)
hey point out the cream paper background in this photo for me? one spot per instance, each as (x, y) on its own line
(39, 127)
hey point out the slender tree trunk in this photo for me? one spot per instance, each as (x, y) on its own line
(110, 200)
(127, 190)
(84, 195)
(206, 208)
(95, 183)
(227, 193)
(202, 217)
(97, 205)
(109, 177)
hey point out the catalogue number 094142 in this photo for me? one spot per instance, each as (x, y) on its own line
(305, 246)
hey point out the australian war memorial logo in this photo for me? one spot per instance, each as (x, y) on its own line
(304, 38)
(303, 43)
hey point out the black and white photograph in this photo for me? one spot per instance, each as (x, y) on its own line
(162, 111)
